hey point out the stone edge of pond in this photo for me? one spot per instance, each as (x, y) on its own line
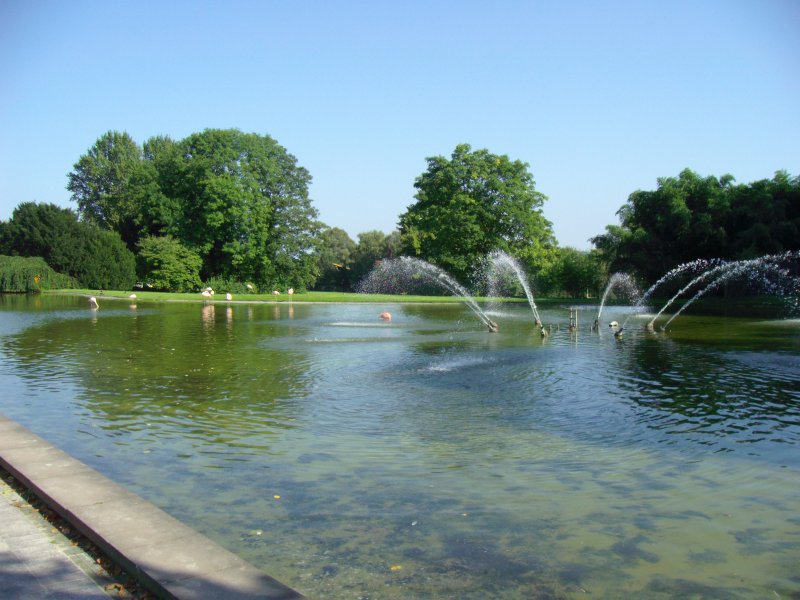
(169, 558)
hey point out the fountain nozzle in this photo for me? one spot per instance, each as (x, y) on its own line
(493, 327)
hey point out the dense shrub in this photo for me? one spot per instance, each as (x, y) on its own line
(30, 274)
(107, 263)
(95, 257)
(165, 264)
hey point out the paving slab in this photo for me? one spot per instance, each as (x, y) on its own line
(168, 557)
(31, 566)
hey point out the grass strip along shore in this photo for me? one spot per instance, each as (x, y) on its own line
(311, 296)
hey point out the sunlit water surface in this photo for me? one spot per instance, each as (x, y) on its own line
(427, 457)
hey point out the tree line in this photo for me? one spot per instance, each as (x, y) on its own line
(232, 209)
(689, 216)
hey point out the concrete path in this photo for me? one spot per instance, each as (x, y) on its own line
(164, 555)
(33, 566)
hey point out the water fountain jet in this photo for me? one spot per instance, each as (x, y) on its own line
(500, 261)
(694, 266)
(750, 269)
(394, 275)
(724, 272)
(619, 281)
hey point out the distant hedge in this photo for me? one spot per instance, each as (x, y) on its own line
(30, 274)
(97, 258)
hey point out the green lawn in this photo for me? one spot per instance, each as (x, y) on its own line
(297, 297)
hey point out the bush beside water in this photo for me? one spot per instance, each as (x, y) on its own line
(21, 274)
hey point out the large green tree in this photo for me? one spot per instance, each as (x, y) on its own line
(246, 208)
(157, 207)
(764, 217)
(100, 183)
(471, 204)
(239, 200)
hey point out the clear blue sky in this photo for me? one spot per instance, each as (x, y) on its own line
(599, 98)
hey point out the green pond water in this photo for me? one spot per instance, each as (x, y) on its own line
(427, 457)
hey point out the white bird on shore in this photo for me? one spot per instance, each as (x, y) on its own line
(228, 296)
(132, 296)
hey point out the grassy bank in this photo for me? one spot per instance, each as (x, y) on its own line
(297, 297)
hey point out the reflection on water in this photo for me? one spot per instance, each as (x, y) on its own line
(427, 457)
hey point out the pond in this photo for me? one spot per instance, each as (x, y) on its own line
(427, 457)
